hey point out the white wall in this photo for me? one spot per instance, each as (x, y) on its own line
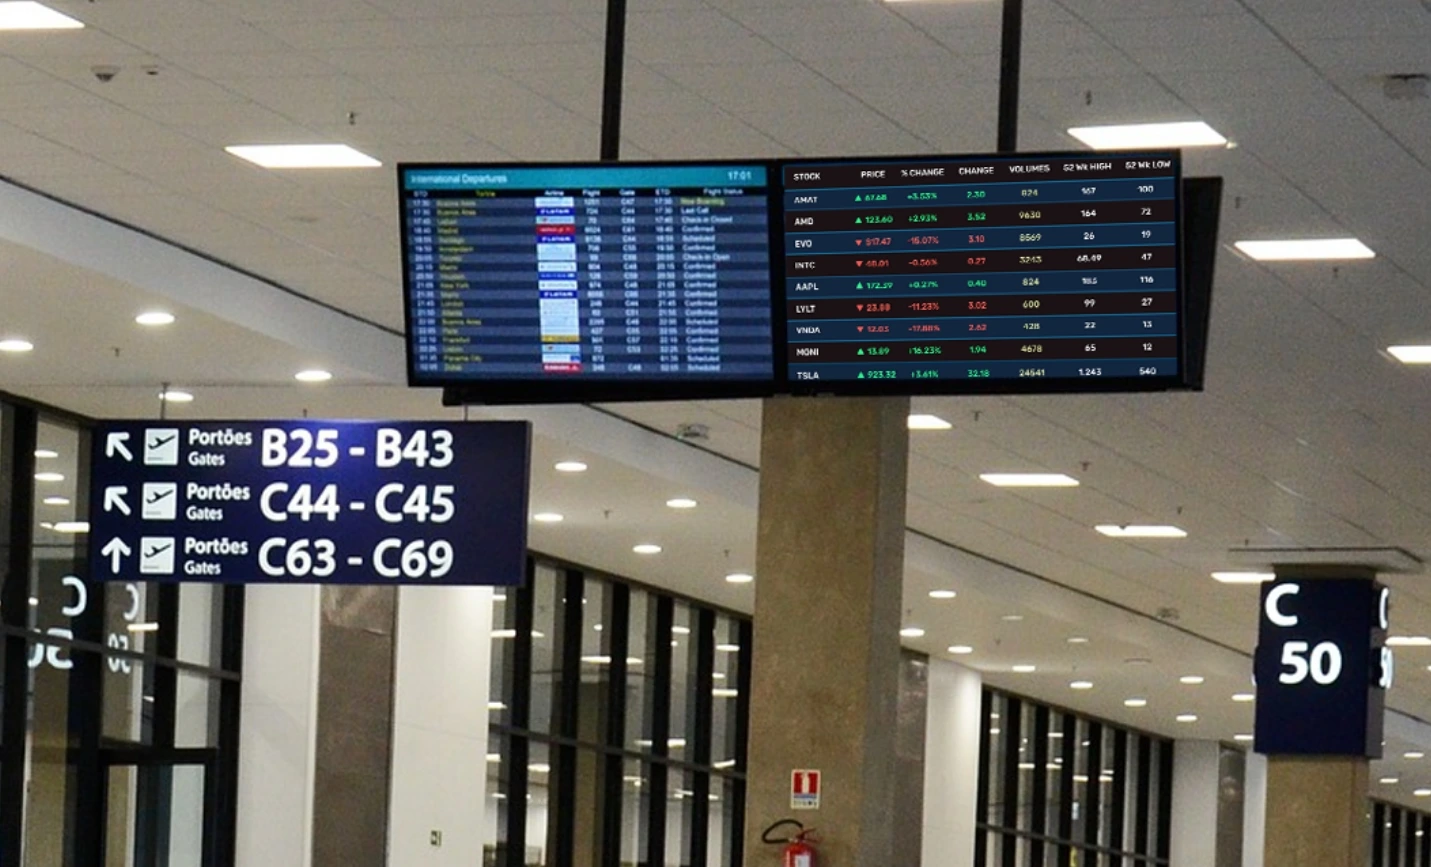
(1196, 772)
(439, 759)
(278, 726)
(951, 763)
(1254, 810)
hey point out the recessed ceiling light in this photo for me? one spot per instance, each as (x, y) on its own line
(928, 422)
(496, 705)
(16, 344)
(596, 660)
(961, 650)
(1244, 697)
(942, 594)
(681, 503)
(740, 578)
(1243, 577)
(314, 375)
(727, 648)
(1141, 531)
(548, 517)
(1135, 702)
(1422, 793)
(1411, 354)
(1389, 781)
(1081, 684)
(155, 318)
(1414, 754)
(34, 601)
(1012, 618)
(72, 527)
(1246, 739)
(1409, 641)
(681, 630)
(570, 467)
(1308, 250)
(46, 454)
(540, 768)
(49, 477)
(1149, 135)
(1187, 717)
(725, 692)
(176, 396)
(1025, 669)
(56, 501)
(143, 627)
(911, 632)
(27, 15)
(647, 548)
(1192, 679)
(494, 758)
(1030, 480)
(314, 156)
(1077, 639)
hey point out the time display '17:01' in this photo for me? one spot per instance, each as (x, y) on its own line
(1028, 267)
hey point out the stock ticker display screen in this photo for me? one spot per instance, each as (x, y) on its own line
(531, 275)
(949, 274)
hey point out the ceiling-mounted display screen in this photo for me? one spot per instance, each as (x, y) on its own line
(538, 282)
(983, 274)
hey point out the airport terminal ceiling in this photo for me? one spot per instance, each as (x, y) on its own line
(1308, 434)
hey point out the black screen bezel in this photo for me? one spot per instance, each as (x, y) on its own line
(458, 391)
(1032, 385)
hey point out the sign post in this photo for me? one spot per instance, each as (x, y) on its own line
(310, 502)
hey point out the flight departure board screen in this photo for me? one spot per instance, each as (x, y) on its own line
(981, 274)
(537, 282)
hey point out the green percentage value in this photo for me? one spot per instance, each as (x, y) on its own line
(924, 284)
(923, 218)
(926, 350)
(925, 374)
(922, 197)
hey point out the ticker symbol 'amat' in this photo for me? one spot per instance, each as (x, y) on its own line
(116, 551)
(114, 499)
(114, 444)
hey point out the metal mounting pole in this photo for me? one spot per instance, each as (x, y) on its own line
(614, 78)
(1009, 62)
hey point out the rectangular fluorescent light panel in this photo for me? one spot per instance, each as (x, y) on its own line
(26, 15)
(1243, 577)
(1030, 480)
(928, 422)
(1141, 531)
(317, 156)
(1148, 135)
(1313, 249)
(1411, 354)
(1409, 641)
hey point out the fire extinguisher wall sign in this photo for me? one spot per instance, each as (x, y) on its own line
(804, 790)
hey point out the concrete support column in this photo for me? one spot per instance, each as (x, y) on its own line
(830, 554)
(951, 763)
(1317, 812)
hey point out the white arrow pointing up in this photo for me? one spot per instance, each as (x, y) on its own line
(114, 499)
(115, 442)
(115, 550)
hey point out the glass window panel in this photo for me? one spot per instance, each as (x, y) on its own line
(48, 777)
(683, 681)
(638, 676)
(725, 681)
(723, 821)
(186, 814)
(679, 801)
(995, 760)
(196, 710)
(1027, 767)
(504, 629)
(122, 809)
(200, 622)
(58, 549)
(128, 700)
(494, 808)
(635, 792)
(540, 802)
(595, 665)
(546, 668)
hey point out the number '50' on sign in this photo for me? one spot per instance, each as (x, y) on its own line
(1321, 661)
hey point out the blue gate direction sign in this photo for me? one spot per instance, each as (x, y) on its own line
(310, 502)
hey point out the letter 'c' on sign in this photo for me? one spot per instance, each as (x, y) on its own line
(1274, 610)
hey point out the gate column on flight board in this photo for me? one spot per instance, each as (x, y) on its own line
(829, 559)
(1322, 671)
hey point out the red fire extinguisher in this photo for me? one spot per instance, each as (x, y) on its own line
(799, 849)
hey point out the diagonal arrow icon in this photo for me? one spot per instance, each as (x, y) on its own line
(114, 499)
(115, 550)
(115, 443)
